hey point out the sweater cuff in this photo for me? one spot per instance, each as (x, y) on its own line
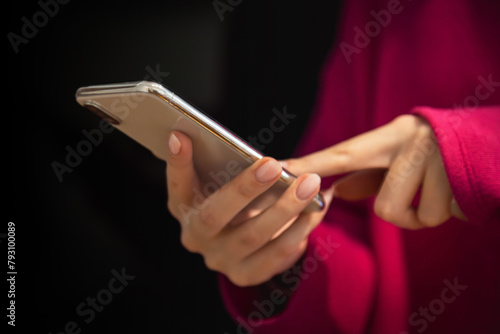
(469, 144)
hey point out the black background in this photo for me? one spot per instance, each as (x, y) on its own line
(109, 212)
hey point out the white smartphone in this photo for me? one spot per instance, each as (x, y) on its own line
(147, 112)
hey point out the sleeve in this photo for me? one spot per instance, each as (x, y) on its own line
(332, 291)
(469, 141)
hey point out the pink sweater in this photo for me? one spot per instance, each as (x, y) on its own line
(361, 274)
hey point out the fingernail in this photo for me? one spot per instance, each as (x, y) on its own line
(283, 164)
(267, 171)
(174, 144)
(456, 211)
(308, 186)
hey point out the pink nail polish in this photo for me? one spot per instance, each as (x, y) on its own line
(174, 144)
(308, 186)
(267, 171)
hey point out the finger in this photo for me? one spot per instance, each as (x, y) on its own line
(360, 185)
(394, 200)
(456, 211)
(372, 149)
(256, 232)
(181, 175)
(282, 252)
(223, 205)
(265, 266)
(434, 206)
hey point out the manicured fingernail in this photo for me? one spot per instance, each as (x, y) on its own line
(268, 171)
(308, 186)
(174, 144)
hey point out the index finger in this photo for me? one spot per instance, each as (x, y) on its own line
(373, 149)
(368, 150)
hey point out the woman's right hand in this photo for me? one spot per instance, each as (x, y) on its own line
(248, 247)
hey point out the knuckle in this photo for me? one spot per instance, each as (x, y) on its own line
(289, 205)
(425, 131)
(285, 250)
(385, 211)
(425, 139)
(418, 128)
(430, 220)
(240, 278)
(250, 239)
(245, 190)
(188, 241)
(286, 204)
(283, 205)
(173, 184)
(172, 207)
(208, 217)
(405, 120)
(214, 262)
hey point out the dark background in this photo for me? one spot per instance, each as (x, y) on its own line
(109, 212)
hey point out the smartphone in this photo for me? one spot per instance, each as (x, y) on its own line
(147, 112)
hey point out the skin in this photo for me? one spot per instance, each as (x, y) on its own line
(392, 163)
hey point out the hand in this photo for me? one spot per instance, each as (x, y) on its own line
(392, 162)
(248, 246)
